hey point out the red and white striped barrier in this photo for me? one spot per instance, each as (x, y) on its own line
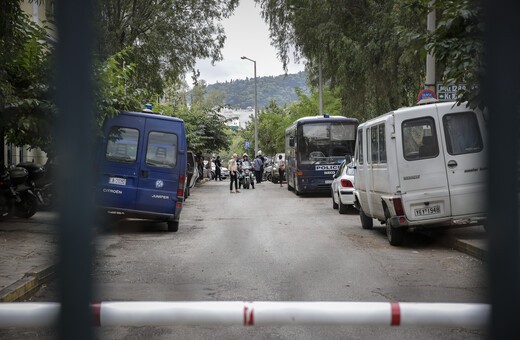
(256, 313)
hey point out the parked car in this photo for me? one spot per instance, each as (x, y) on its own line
(342, 187)
(192, 173)
(275, 177)
(423, 166)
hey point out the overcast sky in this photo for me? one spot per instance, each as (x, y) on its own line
(247, 35)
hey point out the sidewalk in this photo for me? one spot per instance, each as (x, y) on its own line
(28, 248)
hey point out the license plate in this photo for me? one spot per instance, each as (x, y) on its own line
(328, 181)
(436, 209)
(117, 181)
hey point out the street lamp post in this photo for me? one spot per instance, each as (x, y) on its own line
(256, 109)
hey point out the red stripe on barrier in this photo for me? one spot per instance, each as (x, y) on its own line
(249, 315)
(96, 313)
(396, 314)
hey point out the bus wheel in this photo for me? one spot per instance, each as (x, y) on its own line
(173, 226)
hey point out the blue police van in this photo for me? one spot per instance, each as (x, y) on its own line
(142, 167)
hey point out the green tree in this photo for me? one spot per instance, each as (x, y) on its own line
(206, 129)
(358, 43)
(26, 106)
(457, 43)
(166, 36)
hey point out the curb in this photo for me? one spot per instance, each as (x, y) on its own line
(28, 285)
(467, 248)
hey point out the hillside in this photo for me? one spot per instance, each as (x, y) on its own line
(240, 94)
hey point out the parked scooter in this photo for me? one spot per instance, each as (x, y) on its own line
(16, 197)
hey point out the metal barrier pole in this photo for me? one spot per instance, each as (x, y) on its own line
(143, 313)
(74, 148)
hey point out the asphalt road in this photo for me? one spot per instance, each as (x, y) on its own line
(268, 244)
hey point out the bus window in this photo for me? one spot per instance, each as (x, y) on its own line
(325, 142)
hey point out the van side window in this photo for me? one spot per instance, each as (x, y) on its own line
(122, 144)
(161, 150)
(378, 144)
(360, 147)
(374, 148)
(419, 139)
(462, 133)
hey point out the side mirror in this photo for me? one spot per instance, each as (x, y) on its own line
(348, 158)
(291, 141)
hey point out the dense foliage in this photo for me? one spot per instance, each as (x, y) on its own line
(373, 50)
(206, 129)
(26, 106)
(166, 36)
(457, 43)
(240, 93)
(144, 49)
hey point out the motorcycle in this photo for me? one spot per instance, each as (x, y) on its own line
(16, 197)
(41, 183)
(246, 177)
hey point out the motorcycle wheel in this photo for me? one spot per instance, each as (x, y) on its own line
(27, 207)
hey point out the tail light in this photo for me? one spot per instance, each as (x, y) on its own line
(398, 206)
(346, 183)
(180, 188)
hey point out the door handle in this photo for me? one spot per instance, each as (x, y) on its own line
(452, 164)
(144, 173)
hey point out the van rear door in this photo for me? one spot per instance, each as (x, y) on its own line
(159, 167)
(119, 165)
(464, 151)
(422, 174)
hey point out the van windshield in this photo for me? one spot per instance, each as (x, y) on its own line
(325, 143)
(122, 144)
(161, 150)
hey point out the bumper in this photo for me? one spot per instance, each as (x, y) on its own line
(145, 215)
(347, 197)
(403, 222)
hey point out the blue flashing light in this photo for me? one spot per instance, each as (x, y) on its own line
(148, 106)
(326, 115)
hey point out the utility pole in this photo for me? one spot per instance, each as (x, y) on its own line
(320, 84)
(430, 59)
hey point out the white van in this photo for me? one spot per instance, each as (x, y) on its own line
(422, 166)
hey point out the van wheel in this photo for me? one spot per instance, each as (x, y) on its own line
(334, 204)
(395, 235)
(173, 226)
(366, 222)
(343, 208)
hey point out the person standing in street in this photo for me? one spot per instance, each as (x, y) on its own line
(218, 167)
(281, 169)
(258, 169)
(233, 173)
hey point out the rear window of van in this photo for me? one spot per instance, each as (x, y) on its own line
(419, 139)
(122, 144)
(161, 150)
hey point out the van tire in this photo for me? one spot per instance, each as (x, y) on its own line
(395, 235)
(366, 222)
(334, 204)
(343, 208)
(173, 226)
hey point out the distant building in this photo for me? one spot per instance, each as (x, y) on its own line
(39, 12)
(239, 118)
